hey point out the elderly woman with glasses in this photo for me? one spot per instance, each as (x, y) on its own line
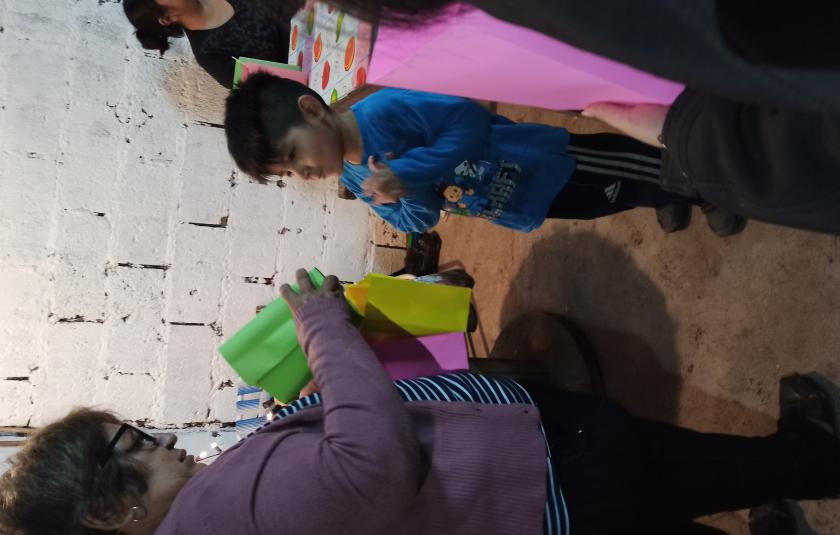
(456, 454)
(91, 473)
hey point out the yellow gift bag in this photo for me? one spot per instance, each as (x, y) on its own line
(405, 307)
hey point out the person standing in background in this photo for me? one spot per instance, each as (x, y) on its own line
(756, 130)
(218, 30)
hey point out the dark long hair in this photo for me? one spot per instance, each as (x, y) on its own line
(144, 16)
(394, 12)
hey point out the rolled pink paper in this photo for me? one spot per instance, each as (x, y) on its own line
(468, 53)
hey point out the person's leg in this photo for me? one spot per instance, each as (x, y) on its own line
(593, 448)
(613, 173)
(694, 474)
(645, 123)
(620, 473)
(772, 164)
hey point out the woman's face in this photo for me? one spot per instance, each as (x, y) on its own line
(168, 469)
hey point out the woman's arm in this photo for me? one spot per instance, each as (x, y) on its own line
(368, 449)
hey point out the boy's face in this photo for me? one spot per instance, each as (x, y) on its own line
(312, 150)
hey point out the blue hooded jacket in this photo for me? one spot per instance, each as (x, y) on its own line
(452, 154)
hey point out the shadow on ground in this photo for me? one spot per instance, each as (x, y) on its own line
(595, 284)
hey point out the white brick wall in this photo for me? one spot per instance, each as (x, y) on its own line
(129, 247)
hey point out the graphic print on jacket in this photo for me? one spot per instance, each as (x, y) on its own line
(480, 189)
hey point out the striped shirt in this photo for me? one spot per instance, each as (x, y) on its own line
(468, 387)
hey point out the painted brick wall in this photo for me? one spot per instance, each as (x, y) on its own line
(129, 246)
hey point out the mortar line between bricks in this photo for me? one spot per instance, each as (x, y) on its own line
(218, 369)
(278, 256)
(4, 82)
(323, 233)
(172, 244)
(329, 223)
(216, 366)
(119, 171)
(55, 216)
(370, 253)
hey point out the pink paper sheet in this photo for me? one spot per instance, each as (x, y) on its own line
(409, 358)
(471, 54)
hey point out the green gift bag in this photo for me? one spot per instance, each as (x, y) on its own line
(266, 352)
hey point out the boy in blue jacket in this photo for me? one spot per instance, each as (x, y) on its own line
(410, 155)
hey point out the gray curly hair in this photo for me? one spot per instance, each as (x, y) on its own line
(56, 482)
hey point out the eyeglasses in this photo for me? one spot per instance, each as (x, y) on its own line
(142, 438)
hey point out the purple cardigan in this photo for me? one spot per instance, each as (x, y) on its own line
(364, 462)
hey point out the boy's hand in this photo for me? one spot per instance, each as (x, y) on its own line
(383, 185)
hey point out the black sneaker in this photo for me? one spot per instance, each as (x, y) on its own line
(777, 518)
(809, 406)
(673, 217)
(423, 255)
(808, 398)
(344, 193)
(723, 223)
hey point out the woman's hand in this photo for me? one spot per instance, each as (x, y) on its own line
(643, 122)
(329, 290)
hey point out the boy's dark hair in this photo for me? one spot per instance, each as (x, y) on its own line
(144, 15)
(55, 482)
(258, 115)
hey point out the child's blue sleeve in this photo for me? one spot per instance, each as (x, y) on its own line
(455, 129)
(440, 132)
(415, 213)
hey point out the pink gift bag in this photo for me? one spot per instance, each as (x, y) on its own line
(409, 358)
(471, 54)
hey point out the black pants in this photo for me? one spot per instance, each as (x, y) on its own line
(613, 173)
(621, 474)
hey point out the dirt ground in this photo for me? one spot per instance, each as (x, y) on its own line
(688, 327)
